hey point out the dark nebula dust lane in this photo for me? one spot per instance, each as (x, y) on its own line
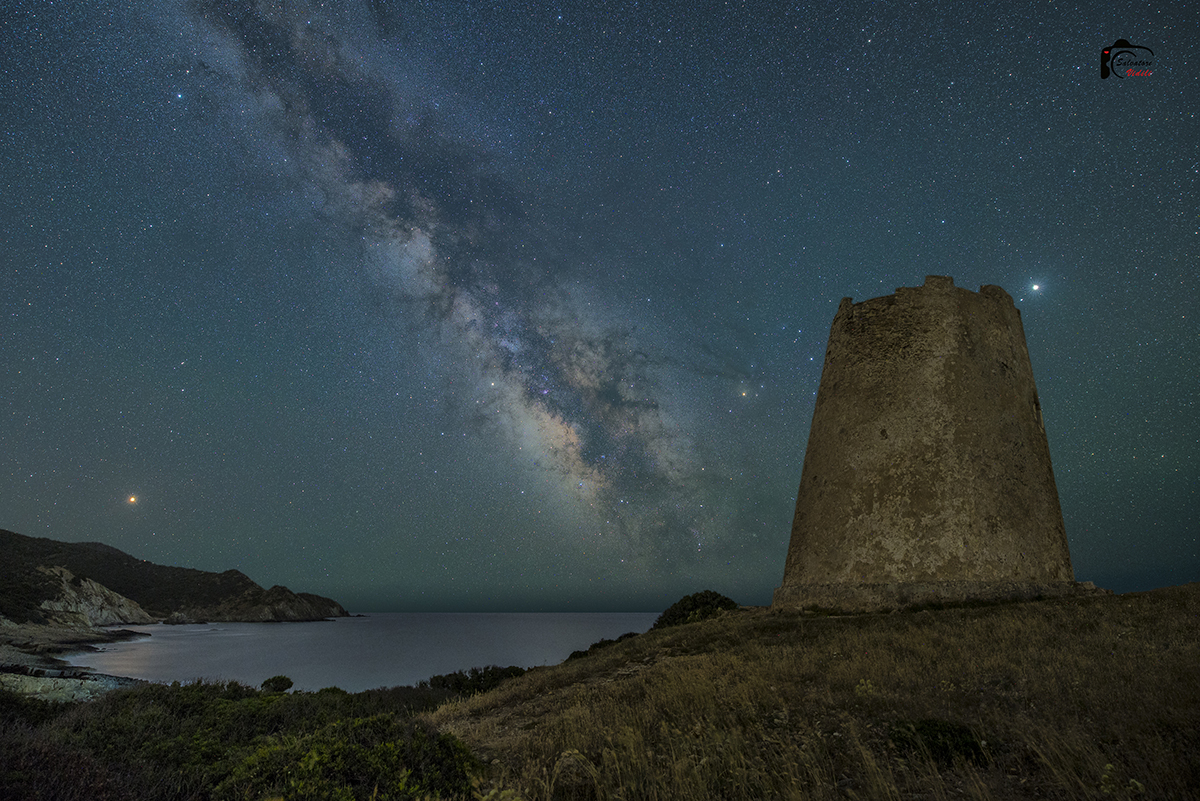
(447, 236)
(524, 306)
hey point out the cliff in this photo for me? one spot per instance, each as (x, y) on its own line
(92, 584)
(82, 603)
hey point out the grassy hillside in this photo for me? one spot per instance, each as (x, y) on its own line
(1081, 698)
(1090, 698)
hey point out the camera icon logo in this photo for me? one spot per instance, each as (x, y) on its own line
(1125, 60)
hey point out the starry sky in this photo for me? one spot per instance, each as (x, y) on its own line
(523, 305)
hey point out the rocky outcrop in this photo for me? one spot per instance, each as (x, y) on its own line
(276, 605)
(58, 597)
(82, 603)
(50, 684)
(29, 665)
(28, 580)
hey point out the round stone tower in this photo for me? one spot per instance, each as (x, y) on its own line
(927, 475)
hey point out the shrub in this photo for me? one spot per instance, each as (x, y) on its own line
(224, 740)
(470, 682)
(598, 644)
(277, 684)
(379, 757)
(691, 608)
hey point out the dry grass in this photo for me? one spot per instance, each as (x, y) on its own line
(1081, 698)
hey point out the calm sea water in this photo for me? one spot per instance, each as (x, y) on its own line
(357, 653)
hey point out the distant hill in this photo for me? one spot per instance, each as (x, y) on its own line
(177, 593)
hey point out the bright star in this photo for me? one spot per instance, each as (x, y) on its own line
(133, 499)
(1035, 287)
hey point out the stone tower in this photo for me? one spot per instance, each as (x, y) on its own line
(927, 475)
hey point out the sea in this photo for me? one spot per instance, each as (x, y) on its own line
(357, 653)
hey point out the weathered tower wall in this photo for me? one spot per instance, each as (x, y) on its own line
(927, 475)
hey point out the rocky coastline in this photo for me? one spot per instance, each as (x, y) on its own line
(58, 598)
(29, 664)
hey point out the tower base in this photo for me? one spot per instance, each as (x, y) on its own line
(885, 597)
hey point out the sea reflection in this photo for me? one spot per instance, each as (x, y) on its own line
(356, 653)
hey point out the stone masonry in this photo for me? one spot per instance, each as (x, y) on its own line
(927, 475)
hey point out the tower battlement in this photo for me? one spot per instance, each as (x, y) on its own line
(927, 474)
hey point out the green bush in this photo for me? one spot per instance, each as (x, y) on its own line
(470, 682)
(691, 608)
(161, 742)
(277, 684)
(379, 757)
(598, 644)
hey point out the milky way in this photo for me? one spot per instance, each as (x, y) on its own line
(447, 239)
(522, 305)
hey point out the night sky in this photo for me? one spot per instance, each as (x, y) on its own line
(523, 306)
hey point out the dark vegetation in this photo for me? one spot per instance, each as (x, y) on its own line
(601, 643)
(277, 684)
(694, 608)
(225, 740)
(1080, 698)
(1075, 698)
(22, 590)
(159, 589)
(473, 681)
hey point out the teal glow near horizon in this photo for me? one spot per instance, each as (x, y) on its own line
(432, 307)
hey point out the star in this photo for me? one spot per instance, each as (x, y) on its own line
(543, 300)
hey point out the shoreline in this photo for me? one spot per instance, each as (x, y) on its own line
(29, 663)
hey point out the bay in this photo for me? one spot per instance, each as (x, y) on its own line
(357, 653)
